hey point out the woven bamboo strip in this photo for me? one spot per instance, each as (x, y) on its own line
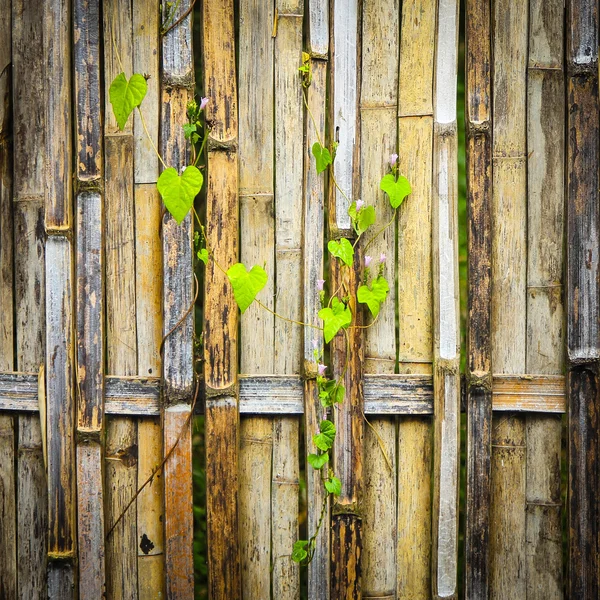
(415, 293)
(220, 311)
(583, 296)
(545, 211)
(378, 115)
(509, 263)
(479, 197)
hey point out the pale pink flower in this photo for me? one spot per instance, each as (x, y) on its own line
(359, 205)
(393, 159)
(203, 103)
(321, 369)
(368, 260)
(382, 258)
(315, 344)
(320, 284)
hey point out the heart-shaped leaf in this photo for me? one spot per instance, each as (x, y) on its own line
(126, 95)
(203, 255)
(300, 551)
(246, 284)
(396, 190)
(324, 439)
(334, 318)
(318, 461)
(322, 157)
(374, 295)
(178, 191)
(362, 219)
(334, 486)
(342, 249)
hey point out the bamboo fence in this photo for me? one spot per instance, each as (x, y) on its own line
(100, 366)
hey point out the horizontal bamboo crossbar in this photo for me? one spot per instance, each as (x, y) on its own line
(283, 394)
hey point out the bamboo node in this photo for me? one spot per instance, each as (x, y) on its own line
(179, 81)
(215, 145)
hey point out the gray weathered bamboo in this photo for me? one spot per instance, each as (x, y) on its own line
(545, 340)
(220, 310)
(89, 299)
(509, 265)
(583, 296)
(379, 137)
(479, 374)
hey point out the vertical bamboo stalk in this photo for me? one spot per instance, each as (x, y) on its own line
(378, 115)
(220, 310)
(121, 456)
(177, 91)
(314, 203)
(346, 350)
(545, 151)
(583, 302)
(415, 293)
(479, 373)
(89, 299)
(289, 145)
(8, 509)
(509, 305)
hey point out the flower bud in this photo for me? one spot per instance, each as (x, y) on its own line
(203, 103)
(368, 260)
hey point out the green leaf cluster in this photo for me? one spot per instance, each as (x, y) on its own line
(374, 295)
(361, 219)
(330, 392)
(246, 284)
(326, 436)
(334, 318)
(300, 551)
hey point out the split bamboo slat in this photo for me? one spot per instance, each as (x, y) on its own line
(121, 455)
(8, 433)
(317, 39)
(220, 310)
(479, 369)
(257, 235)
(583, 296)
(30, 290)
(177, 90)
(89, 298)
(446, 372)
(148, 292)
(545, 340)
(508, 567)
(289, 147)
(415, 291)
(378, 125)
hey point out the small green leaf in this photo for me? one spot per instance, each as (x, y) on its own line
(374, 295)
(334, 486)
(203, 255)
(188, 129)
(396, 190)
(324, 439)
(340, 392)
(318, 461)
(342, 249)
(365, 218)
(246, 284)
(126, 95)
(334, 318)
(322, 157)
(178, 191)
(300, 551)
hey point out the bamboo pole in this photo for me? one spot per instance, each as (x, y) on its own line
(177, 91)
(379, 134)
(415, 294)
(314, 202)
(509, 305)
(583, 306)
(479, 373)
(545, 211)
(257, 234)
(28, 207)
(220, 310)
(121, 456)
(289, 145)
(89, 300)
(8, 433)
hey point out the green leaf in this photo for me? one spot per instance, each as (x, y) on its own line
(342, 249)
(203, 255)
(334, 486)
(188, 129)
(246, 284)
(126, 95)
(324, 439)
(334, 318)
(339, 394)
(318, 461)
(300, 552)
(396, 190)
(362, 219)
(374, 295)
(178, 191)
(322, 157)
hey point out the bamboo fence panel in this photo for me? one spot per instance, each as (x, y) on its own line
(222, 429)
(509, 263)
(289, 145)
(317, 35)
(545, 342)
(415, 291)
(582, 297)
(378, 124)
